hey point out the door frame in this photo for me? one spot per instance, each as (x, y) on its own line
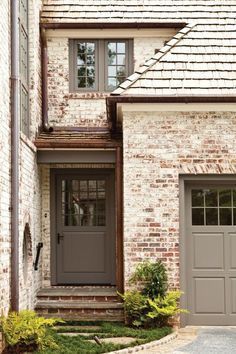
(184, 181)
(54, 172)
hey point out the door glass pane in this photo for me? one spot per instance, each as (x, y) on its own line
(83, 202)
(211, 216)
(234, 198)
(197, 216)
(225, 199)
(225, 216)
(234, 214)
(211, 197)
(197, 198)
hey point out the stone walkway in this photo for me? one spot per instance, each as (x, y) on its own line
(200, 340)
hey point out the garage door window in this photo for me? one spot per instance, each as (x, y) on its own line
(213, 206)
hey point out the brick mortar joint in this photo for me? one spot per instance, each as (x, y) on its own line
(149, 345)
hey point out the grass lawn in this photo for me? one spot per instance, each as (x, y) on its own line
(79, 344)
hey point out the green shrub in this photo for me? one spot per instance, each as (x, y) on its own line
(152, 305)
(161, 308)
(135, 306)
(153, 276)
(25, 328)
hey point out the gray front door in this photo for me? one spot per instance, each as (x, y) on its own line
(211, 254)
(85, 240)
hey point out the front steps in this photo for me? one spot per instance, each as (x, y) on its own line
(80, 303)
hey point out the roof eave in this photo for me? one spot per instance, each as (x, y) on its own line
(112, 101)
(87, 25)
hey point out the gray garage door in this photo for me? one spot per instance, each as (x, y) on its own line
(211, 255)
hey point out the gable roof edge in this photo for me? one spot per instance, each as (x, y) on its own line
(153, 60)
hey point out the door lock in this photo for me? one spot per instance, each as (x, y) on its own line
(59, 237)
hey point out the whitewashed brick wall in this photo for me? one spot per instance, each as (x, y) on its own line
(82, 109)
(4, 156)
(30, 193)
(157, 148)
(29, 206)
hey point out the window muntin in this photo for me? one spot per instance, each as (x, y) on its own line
(213, 206)
(99, 65)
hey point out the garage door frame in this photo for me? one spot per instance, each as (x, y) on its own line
(184, 181)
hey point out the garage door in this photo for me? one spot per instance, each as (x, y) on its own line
(211, 254)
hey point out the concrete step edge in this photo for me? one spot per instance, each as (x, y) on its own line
(79, 305)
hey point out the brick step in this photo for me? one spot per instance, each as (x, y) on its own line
(92, 304)
(80, 294)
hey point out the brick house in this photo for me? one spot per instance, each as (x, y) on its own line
(125, 152)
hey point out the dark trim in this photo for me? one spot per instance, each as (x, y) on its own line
(112, 101)
(119, 221)
(101, 25)
(81, 129)
(15, 138)
(76, 156)
(69, 143)
(52, 213)
(44, 72)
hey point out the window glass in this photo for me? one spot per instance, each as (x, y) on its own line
(99, 64)
(83, 202)
(225, 216)
(225, 199)
(211, 216)
(86, 73)
(198, 216)
(117, 68)
(213, 206)
(24, 79)
(211, 197)
(197, 198)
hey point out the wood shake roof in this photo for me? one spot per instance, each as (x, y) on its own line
(199, 60)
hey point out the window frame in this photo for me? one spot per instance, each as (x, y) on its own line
(101, 63)
(24, 74)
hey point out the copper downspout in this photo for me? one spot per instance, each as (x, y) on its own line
(44, 64)
(15, 118)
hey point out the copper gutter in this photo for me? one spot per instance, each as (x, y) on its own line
(15, 138)
(101, 25)
(44, 65)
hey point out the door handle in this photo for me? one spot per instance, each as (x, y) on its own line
(59, 237)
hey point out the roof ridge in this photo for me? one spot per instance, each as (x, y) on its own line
(153, 60)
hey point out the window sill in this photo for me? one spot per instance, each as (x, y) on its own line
(27, 142)
(88, 95)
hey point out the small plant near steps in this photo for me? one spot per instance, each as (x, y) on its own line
(26, 332)
(153, 304)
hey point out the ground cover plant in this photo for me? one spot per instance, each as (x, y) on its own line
(80, 344)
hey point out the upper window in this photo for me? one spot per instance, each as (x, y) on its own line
(24, 77)
(99, 65)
